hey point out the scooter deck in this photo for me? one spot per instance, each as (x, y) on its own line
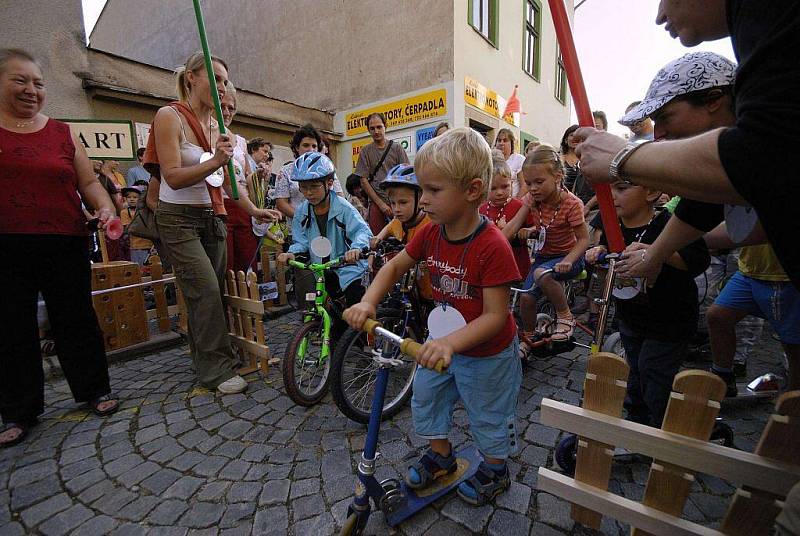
(468, 460)
(745, 393)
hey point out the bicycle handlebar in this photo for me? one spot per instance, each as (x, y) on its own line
(407, 346)
(316, 267)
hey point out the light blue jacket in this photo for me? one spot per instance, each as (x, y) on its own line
(341, 213)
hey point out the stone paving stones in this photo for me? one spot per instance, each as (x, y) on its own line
(177, 459)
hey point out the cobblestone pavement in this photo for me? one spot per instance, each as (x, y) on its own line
(180, 460)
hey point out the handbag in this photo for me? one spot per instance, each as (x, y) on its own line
(143, 223)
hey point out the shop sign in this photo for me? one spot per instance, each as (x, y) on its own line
(404, 141)
(356, 149)
(481, 97)
(423, 135)
(413, 109)
(105, 140)
(486, 100)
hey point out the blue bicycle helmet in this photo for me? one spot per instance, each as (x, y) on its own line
(312, 166)
(401, 175)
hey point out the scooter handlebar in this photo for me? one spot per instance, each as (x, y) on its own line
(369, 325)
(407, 346)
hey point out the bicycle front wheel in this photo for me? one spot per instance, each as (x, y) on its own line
(354, 371)
(305, 371)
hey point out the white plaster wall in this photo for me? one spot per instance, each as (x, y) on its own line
(500, 68)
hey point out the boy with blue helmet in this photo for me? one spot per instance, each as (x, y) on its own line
(329, 215)
(404, 193)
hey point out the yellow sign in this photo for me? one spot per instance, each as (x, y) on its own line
(356, 151)
(481, 97)
(401, 112)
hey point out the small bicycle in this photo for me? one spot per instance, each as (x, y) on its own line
(354, 369)
(540, 341)
(307, 362)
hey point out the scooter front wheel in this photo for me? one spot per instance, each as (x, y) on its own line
(305, 372)
(566, 454)
(350, 526)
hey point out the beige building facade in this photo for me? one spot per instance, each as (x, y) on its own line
(496, 46)
(326, 62)
(84, 83)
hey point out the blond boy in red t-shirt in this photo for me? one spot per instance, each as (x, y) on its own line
(472, 330)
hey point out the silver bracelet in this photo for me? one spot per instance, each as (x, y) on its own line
(621, 158)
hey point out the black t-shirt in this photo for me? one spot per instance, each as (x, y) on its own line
(577, 183)
(766, 39)
(702, 216)
(322, 223)
(668, 310)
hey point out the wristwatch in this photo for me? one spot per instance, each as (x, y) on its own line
(618, 162)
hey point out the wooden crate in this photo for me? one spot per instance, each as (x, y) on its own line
(245, 313)
(121, 314)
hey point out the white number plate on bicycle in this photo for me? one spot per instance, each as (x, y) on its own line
(311, 296)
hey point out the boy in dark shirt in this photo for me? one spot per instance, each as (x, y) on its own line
(656, 322)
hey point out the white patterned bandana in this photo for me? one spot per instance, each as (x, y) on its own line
(691, 72)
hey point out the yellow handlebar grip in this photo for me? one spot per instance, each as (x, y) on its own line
(370, 325)
(410, 347)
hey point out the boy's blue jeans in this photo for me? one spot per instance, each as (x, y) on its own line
(487, 386)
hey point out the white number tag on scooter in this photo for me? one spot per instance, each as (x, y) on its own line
(444, 320)
(626, 288)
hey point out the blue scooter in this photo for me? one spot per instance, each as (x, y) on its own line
(397, 501)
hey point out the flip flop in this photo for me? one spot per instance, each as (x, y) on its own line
(94, 405)
(23, 428)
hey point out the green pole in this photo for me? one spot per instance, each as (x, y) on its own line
(212, 82)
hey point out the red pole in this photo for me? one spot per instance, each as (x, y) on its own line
(578, 90)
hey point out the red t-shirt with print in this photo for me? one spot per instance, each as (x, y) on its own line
(559, 220)
(488, 262)
(501, 216)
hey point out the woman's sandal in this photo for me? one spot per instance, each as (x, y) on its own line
(484, 486)
(564, 329)
(524, 351)
(94, 405)
(429, 467)
(23, 428)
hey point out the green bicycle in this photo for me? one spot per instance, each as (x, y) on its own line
(307, 363)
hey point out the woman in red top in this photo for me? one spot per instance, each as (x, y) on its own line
(44, 242)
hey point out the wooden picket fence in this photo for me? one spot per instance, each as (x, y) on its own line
(245, 312)
(679, 449)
